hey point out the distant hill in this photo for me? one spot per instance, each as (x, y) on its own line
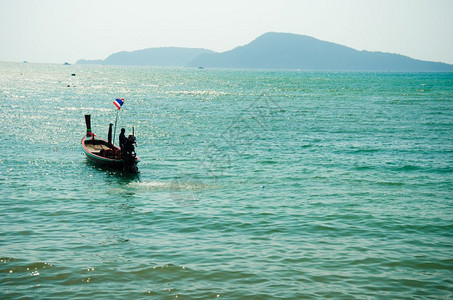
(292, 51)
(276, 51)
(164, 57)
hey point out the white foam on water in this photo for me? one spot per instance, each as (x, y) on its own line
(175, 184)
(149, 184)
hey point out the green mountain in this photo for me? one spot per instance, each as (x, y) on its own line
(164, 57)
(292, 51)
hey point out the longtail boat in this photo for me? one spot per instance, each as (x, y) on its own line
(105, 154)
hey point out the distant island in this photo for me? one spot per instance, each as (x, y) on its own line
(161, 57)
(276, 51)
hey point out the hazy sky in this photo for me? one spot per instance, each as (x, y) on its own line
(68, 30)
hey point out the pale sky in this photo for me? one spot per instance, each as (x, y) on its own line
(56, 31)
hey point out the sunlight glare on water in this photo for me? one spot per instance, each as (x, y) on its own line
(252, 184)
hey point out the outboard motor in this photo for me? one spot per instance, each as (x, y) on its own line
(129, 155)
(129, 145)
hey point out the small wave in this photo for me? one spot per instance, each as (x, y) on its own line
(364, 168)
(4, 260)
(408, 168)
(390, 183)
(268, 162)
(11, 265)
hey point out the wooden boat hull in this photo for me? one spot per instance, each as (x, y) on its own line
(101, 153)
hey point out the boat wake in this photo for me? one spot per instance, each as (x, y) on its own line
(183, 193)
(150, 185)
(173, 185)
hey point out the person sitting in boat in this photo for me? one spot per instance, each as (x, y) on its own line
(122, 140)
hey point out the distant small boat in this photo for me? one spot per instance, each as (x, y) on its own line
(67, 64)
(105, 154)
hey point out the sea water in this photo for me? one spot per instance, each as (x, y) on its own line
(252, 185)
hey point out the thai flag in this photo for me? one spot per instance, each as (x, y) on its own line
(118, 103)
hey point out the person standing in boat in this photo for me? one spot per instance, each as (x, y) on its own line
(123, 140)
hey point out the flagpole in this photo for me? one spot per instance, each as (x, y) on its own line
(118, 103)
(114, 131)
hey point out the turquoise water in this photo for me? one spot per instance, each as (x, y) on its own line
(253, 184)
